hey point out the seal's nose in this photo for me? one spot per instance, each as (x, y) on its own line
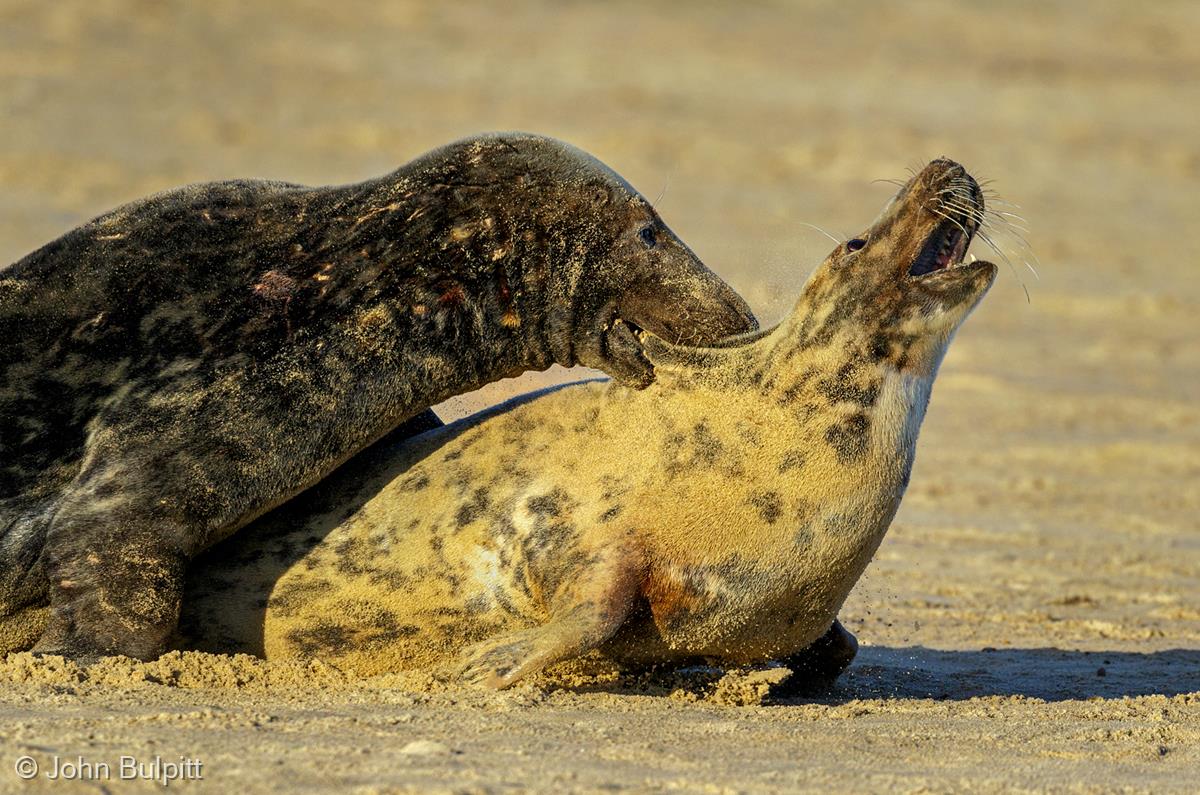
(946, 164)
(944, 177)
(717, 311)
(941, 170)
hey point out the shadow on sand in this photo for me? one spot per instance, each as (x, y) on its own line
(1048, 674)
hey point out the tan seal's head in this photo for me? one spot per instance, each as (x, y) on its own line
(904, 278)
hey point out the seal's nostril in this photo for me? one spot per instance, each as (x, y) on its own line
(855, 244)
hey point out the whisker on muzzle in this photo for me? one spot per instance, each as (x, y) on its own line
(988, 240)
(950, 218)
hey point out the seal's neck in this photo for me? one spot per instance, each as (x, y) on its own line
(845, 348)
(860, 407)
(853, 382)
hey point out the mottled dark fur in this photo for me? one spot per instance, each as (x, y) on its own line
(184, 363)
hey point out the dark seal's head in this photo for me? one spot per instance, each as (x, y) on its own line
(586, 261)
(902, 287)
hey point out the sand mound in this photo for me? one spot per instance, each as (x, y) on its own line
(190, 670)
(193, 670)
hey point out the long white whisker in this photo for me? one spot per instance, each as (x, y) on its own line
(951, 219)
(663, 192)
(974, 213)
(1021, 218)
(964, 201)
(983, 236)
(970, 209)
(1004, 222)
(822, 231)
(1009, 229)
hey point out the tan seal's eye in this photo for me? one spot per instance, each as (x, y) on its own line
(855, 244)
(648, 236)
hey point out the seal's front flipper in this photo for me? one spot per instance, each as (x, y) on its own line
(501, 661)
(587, 610)
(115, 583)
(817, 666)
(116, 548)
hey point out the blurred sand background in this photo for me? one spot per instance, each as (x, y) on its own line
(1032, 621)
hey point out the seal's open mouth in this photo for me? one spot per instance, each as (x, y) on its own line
(622, 353)
(945, 247)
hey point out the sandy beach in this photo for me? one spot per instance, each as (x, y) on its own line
(1032, 620)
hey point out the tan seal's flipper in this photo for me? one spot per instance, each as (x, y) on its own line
(824, 661)
(590, 607)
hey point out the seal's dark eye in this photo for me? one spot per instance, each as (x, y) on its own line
(855, 244)
(648, 236)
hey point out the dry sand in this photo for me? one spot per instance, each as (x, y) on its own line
(1032, 621)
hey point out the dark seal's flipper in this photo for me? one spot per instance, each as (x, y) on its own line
(23, 587)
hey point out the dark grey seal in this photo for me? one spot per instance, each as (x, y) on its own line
(182, 364)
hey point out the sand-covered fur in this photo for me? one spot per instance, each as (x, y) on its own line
(722, 513)
(183, 364)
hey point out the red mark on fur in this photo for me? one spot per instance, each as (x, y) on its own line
(510, 318)
(275, 286)
(452, 296)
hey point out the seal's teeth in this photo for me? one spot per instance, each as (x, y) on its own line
(960, 249)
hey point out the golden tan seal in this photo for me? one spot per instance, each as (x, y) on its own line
(723, 513)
